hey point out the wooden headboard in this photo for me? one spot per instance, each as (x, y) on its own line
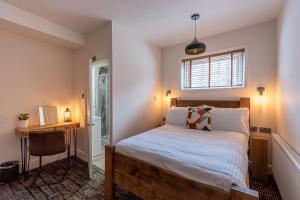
(243, 102)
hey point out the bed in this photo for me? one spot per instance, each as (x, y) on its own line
(167, 163)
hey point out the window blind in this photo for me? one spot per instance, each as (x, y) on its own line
(222, 70)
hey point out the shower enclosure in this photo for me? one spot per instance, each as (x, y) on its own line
(100, 110)
(102, 101)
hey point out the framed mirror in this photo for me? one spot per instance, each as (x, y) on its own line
(48, 115)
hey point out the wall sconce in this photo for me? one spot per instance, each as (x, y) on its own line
(167, 103)
(168, 93)
(260, 91)
(67, 115)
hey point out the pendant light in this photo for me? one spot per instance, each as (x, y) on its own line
(195, 47)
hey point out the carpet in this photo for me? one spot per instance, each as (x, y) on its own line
(77, 185)
(267, 188)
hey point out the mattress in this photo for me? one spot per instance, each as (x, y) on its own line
(216, 158)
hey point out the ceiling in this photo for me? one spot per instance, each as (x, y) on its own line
(163, 22)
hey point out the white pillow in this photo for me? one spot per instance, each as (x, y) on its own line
(177, 116)
(230, 119)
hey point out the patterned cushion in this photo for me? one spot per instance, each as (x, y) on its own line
(199, 118)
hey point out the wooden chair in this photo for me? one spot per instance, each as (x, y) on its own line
(47, 143)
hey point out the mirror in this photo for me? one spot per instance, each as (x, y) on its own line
(48, 115)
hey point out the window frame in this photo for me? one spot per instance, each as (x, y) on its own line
(219, 53)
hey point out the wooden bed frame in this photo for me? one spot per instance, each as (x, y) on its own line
(150, 182)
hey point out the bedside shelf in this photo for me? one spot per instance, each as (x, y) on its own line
(259, 156)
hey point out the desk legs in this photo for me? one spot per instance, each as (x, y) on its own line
(75, 142)
(24, 156)
(24, 152)
(22, 159)
(68, 140)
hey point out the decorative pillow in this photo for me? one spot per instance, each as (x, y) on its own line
(199, 118)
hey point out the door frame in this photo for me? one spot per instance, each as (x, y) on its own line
(90, 108)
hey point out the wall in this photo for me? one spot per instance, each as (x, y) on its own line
(288, 95)
(99, 44)
(32, 73)
(288, 74)
(136, 84)
(260, 44)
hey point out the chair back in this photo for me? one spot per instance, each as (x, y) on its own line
(46, 143)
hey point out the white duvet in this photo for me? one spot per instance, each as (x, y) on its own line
(216, 158)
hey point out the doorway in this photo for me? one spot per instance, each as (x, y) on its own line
(99, 111)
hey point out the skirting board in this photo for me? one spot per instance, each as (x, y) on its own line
(34, 161)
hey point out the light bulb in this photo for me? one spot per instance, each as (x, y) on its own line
(261, 99)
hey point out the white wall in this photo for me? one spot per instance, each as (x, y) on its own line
(136, 81)
(260, 44)
(99, 44)
(136, 84)
(288, 94)
(32, 73)
(288, 74)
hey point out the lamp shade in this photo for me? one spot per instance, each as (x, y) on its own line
(195, 48)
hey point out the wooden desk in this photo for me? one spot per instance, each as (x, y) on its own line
(69, 127)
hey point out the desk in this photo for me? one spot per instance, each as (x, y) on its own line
(69, 127)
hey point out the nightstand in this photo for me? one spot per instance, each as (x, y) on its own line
(259, 156)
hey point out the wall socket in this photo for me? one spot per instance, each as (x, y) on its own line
(253, 128)
(260, 129)
(265, 130)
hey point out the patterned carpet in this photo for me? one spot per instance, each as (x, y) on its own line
(77, 185)
(267, 189)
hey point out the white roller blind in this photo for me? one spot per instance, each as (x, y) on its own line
(222, 70)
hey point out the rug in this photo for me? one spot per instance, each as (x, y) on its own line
(77, 185)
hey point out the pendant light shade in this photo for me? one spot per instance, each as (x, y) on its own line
(195, 47)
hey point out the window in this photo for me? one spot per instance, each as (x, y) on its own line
(222, 70)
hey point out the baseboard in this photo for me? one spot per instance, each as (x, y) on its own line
(82, 155)
(34, 161)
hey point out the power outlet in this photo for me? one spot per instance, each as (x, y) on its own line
(265, 130)
(253, 128)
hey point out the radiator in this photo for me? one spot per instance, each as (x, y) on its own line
(286, 168)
